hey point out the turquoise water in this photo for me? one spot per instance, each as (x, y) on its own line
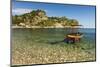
(36, 44)
(51, 35)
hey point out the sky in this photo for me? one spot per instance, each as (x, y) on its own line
(84, 14)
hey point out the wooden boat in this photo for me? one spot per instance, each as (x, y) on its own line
(74, 36)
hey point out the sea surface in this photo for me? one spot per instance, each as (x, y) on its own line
(52, 34)
(34, 46)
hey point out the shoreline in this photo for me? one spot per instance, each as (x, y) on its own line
(45, 27)
(40, 27)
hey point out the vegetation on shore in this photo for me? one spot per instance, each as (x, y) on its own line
(39, 18)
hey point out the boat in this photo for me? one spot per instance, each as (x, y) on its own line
(74, 36)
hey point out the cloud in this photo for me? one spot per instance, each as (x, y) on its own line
(19, 11)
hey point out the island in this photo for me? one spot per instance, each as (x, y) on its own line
(39, 19)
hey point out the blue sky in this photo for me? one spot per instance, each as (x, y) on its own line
(84, 14)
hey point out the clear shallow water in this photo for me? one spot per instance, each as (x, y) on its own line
(36, 45)
(49, 35)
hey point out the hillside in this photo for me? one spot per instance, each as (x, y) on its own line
(39, 18)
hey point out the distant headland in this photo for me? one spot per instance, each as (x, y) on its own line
(39, 19)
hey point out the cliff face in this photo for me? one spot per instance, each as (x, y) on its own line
(39, 18)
